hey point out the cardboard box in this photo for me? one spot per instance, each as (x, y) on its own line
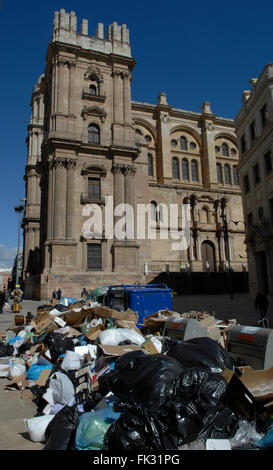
(106, 312)
(74, 317)
(251, 393)
(128, 324)
(45, 325)
(94, 332)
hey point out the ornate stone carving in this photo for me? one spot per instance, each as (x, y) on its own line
(117, 168)
(93, 72)
(94, 111)
(129, 169)
(59, 162)
(71, 164)
(94, 168)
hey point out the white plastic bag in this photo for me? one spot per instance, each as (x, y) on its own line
(62, 388)
(71, 361)
(36, 427)
(114, 336)
(16, 369)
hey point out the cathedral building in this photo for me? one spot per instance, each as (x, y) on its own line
(90, 145)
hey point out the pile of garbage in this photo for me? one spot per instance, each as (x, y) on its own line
(101, 381)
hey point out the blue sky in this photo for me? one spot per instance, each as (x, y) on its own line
(194, 51)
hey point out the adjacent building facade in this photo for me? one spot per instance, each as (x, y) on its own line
(254, 125)
(89, 143)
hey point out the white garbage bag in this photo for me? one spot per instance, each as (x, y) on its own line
(62, 388)
(36, 427)
(114, 336)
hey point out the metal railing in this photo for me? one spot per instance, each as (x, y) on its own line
(89, 198)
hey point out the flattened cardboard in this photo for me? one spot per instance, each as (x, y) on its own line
(114, 351)
(128, 324)
(239, 393)
(106, 312)
(42, 379)
(93, 332)
(73, 318)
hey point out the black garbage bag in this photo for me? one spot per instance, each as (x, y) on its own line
(61, 431)
(58, 344)
(6, 349)
(139, 429)
(142, 379)
(197, 406)
(194, 410)
(199, 352)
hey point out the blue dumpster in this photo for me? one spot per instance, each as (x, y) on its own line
(145, 299)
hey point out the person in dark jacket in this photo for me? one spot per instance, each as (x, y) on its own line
(2, 301)
(261, 303)
(59, 294)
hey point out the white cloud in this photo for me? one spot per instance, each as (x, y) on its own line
(7, 256)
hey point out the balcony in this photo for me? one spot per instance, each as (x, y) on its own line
(92, 199)
(87, 94)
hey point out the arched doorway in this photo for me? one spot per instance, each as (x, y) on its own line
(208, 255)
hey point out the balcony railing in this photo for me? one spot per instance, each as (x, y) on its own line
(89, 95)
(92, 198)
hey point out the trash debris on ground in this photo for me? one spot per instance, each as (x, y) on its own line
(101, 380)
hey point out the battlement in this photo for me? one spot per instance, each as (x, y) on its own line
(65, 30)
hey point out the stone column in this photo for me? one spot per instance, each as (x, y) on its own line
(127, 97)
(70, 205)
(117, 170)
(59, 229)
(117, 97)
(50, 200)
(62, 96)
(129, 171)
(198, 247)
(71, 98)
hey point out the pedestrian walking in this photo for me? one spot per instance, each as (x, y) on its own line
(2, 301)
(54, 294)
(261, 303)
(59, 293)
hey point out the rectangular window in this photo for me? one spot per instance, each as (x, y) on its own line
(268, 162)
(253, 130)
(94, 258)
(264, 115)
(243, 144)
(256, 173)
(249, 219)
(94, 188)
(246, 184)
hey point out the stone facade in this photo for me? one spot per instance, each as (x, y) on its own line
(88, 142)
(254, 124)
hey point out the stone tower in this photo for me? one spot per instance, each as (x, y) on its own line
(88, 153)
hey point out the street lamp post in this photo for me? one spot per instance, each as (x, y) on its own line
(19, 209)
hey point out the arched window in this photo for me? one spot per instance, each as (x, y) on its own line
(175, 165)
(235, 176)
(219, 173)
(227, 173)
(153, 207)
(93, 90)
(204, 215)
(150, 165)
(194, 170)
(183, 143)
(93, 134)
(225, 150)
(185, 169)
